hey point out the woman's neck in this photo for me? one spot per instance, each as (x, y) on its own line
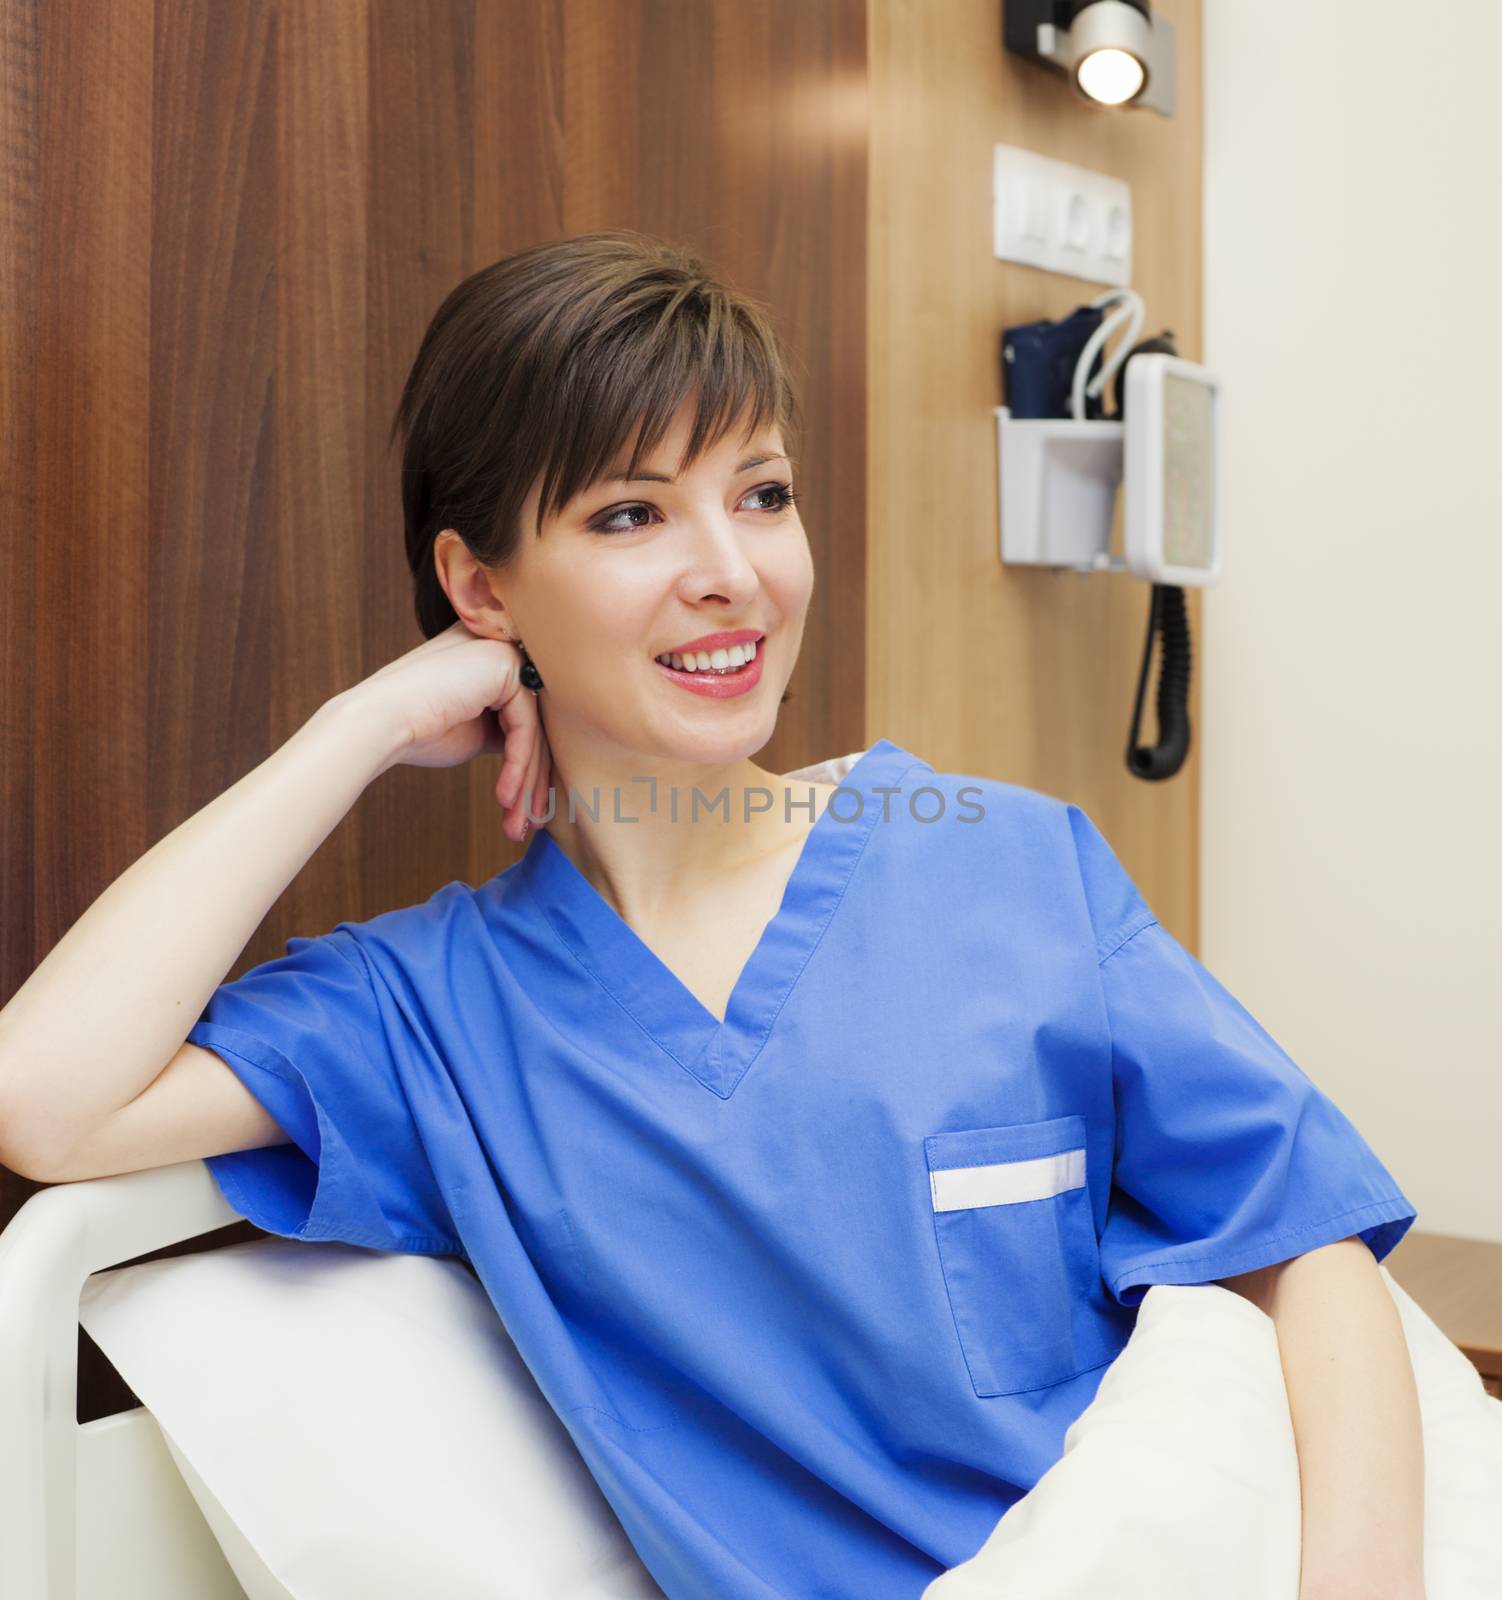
(657, 845)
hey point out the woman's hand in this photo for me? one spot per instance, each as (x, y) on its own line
(458, 696)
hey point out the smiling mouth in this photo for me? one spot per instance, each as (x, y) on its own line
(675, 661)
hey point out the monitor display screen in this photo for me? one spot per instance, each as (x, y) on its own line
(1188, 472)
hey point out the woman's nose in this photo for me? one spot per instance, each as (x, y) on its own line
(719, 560)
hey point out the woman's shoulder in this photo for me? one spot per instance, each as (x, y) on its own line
(980, 796)
(955, 827)
(416, 930)
(1015, 797)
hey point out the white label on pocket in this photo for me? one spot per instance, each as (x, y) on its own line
(1005, 1182)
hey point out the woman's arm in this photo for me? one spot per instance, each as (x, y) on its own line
(1355, 1411)
(111, 1004)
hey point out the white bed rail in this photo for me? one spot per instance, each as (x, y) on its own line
(99, 1509)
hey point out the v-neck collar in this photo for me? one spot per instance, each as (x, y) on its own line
(718, 1053)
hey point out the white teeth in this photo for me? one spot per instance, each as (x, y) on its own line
(731, 660)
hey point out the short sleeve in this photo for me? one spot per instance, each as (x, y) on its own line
(1227, 1156)
(307, 1035)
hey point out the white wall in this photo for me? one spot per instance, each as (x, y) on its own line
(1351, 733)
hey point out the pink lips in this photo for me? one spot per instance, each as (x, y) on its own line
(713, 641)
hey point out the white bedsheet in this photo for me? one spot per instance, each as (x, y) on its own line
(1181, 1477)
(259, 1361)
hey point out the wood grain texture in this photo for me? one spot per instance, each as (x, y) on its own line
(225, 230)
(20, 340)
(1026, 675)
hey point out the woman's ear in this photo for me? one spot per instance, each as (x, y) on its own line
(469, 588)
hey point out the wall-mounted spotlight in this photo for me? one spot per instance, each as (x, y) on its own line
(1111, 50)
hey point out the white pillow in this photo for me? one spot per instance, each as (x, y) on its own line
(363, 1420)
(260, 1361)
(1181, 1476)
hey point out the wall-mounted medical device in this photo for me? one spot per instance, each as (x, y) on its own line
(1114, 52)
(1060, 461)
(1171, 474)
(1059, 480)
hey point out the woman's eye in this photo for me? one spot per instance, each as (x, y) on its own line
(783, 496)
(603, 526)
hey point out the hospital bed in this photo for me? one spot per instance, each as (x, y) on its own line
(111, 1509)
(106, 1508)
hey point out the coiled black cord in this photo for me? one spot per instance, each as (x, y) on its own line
(1162, 760)
(1169, 616)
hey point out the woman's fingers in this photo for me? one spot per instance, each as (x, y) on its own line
(528, 789)
(512, 769)
(544, 778)
(525, 760)
(525, 741)
(521, 730)
(539, 801)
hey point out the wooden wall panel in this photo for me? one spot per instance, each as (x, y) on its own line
(226, 227)
(1024, 675)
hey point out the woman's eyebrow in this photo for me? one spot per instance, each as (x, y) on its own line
(662, 477)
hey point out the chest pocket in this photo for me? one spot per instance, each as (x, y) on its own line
(1018, 1250)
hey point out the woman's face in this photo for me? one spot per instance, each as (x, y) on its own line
(629, 571)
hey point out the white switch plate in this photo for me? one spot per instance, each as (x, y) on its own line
(1063, 219)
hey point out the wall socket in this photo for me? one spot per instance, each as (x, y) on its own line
(1060, 218)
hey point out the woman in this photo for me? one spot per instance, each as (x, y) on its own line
(815, 1135)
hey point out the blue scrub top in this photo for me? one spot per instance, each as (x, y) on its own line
(817, 1290)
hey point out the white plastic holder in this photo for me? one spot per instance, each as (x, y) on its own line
(1057, 482)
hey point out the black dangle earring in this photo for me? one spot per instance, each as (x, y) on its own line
(529, 674)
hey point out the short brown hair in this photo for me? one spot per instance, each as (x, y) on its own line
(544, 364)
